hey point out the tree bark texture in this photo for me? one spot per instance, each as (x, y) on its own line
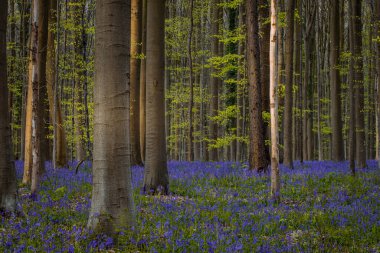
(156, 179)
(112, 205)
(135, 81)
(214, 82)
(358, 81)
(289, 45)
(8, 183)
(336, 111)
(258, 159)
(275, 173)
(142, 100)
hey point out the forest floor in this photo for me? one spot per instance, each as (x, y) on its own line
(213, 207)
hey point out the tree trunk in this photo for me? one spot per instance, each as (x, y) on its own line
(378, 78)
(352, 132)
(356, 52)
(214, 84)
(28, 122)
(264, 63)
(336, 114)
(8, 183)
(112, 205)
(156, 178)
(298, 80)
(55, 105)
(142, 100)
(289, 44)
(308, 152)
(135, 81)
(257, 159)
(275, 173)
(240, 91)
(190, 150)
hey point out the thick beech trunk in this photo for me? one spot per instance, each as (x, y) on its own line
(112, 206)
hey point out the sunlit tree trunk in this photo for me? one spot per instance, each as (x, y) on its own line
(40, 26)
(8, 183)
(35, 138)
(156, 179)
(275, 173)
(289, 44)
(257, 159)
(28, 124)
(112, 206)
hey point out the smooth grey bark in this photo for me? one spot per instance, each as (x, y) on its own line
(273, 100)
(156, 178)
(8, 184)
(112, 205)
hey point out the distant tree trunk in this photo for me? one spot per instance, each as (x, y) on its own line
(214, 84)
(240, 90)
(40, 22)
(298, 80)
(156, 178)
(257, 159)
(356, 51)
(28, 122)
(308, 152)
(190, 140)
(336, 115)
(275, 173)
(135, 81)
(55, 105)
(143, 80)
(378, 77)
(8, 183)
(352, 132)
(112, 205)
(24, 23)
(289, 44)
(264, 63)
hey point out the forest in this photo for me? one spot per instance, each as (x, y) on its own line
(189, 126)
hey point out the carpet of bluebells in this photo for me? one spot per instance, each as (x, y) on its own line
(212, 207)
